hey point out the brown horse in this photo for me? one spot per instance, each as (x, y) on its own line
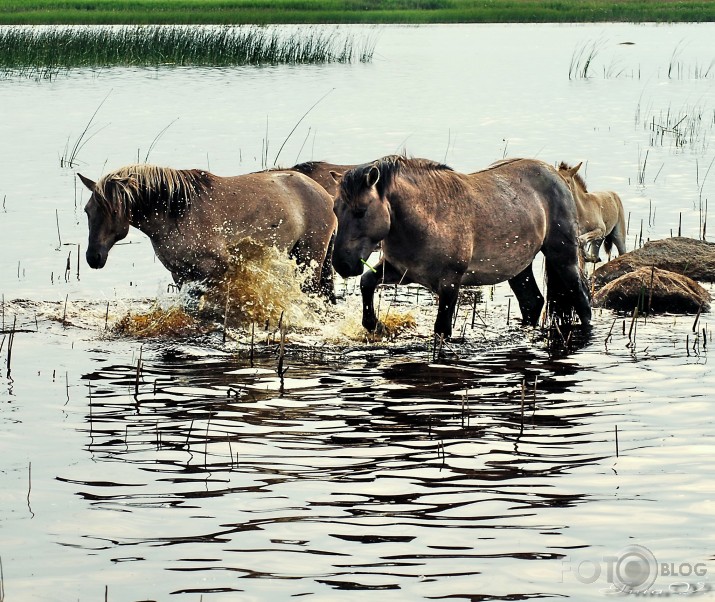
(320, 172)
(600, 216)
(442, 229)
(192, 217)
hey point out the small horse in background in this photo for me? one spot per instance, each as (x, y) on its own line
(601, 218)
(192, 218)
(444, 229)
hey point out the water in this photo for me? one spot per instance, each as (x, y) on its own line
(374, 466)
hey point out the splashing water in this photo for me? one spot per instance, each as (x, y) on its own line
(261, 286)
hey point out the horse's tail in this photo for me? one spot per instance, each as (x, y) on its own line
(617, 236)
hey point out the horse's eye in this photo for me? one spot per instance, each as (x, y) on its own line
(359, 213)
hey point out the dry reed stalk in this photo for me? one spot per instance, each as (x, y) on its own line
(225, 311)
(697, 317)
(523, 396)
(29, 488)
(59, 236)
(617, 454)
(10, 341)
(138, 373)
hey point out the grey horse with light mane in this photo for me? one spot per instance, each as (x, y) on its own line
(444, 229)
(192, 218)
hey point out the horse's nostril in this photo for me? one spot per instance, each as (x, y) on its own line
(94, 259)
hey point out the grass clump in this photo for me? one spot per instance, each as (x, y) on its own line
(157, 322)
(49, 50)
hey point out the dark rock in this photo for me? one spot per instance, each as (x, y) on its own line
(653, 291)
(687, 256)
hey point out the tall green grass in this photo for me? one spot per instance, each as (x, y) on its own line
(349, 11)
(46, 51)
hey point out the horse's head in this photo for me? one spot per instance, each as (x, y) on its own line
(573, 179)
(108, 222)
(363, 214)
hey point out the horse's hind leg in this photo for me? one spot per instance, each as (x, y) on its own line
(530, 299)
(307, 253)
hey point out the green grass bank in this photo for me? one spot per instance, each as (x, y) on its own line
(36, 12)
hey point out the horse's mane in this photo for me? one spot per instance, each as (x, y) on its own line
(308, 167)
(563, 166)
(390, 167)
(138, 190)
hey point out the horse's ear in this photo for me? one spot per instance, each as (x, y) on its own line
(87, 182)
(573, 170)
(336, 176)
(372, 176)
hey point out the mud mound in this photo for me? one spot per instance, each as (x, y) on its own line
(653, 290)
(687, 256)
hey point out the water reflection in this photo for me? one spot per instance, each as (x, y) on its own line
(375, 474)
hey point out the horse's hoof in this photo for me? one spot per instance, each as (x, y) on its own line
(376, 329)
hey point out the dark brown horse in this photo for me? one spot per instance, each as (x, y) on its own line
(192, 218)
(442, 229)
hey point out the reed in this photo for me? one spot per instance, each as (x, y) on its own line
(44, 52)
(582, 59)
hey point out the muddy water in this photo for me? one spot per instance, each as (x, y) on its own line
(371, 465)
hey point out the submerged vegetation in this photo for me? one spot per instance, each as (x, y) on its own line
(349, 11)
(49, 50)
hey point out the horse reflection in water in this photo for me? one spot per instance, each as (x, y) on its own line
(193, 217)
(444, 229)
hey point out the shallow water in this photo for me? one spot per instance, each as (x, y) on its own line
(373, 465)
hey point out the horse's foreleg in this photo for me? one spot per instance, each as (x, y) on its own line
(530, 299)
(566, 288)
(447, 293)
(383, 273)
(368, 284)
(591, 243)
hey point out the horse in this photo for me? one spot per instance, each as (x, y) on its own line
(192, 218)
(443, 229)
(601, 217)
(320, 172)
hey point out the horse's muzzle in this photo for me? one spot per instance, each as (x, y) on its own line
(95, 259)
(347, 268)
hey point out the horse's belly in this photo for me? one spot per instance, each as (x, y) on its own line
(498, 267)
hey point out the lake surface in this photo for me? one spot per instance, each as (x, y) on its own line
(374, 466)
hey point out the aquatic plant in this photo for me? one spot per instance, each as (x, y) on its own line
(690, 126)
(582, 59)
(47, 51)
(157, 322)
